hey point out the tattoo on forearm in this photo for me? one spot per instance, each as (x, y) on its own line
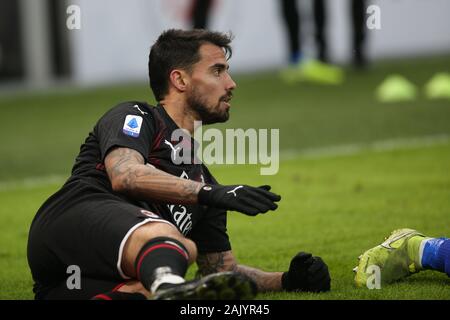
(211, 263)
(146, 182)
(225, 261)
(265, 281)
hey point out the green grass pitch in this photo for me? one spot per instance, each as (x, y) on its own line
(335, 206)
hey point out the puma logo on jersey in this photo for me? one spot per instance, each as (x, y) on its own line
(234, 190)
(139, 109)
(174, 150)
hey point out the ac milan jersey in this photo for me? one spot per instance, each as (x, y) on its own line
(148, 130)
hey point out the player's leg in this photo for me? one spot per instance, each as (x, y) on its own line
(320, 23)
(403, 253)
(358, 12)
(158, 256)
(435, 254)
(291, 19)
(82, 229)
(200, 13)
(89, 230)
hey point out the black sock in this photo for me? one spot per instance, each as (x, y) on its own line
(161, 258)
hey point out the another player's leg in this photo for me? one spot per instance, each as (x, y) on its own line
(358, 10)
(435, 254)
(403, 253)
(320, 18)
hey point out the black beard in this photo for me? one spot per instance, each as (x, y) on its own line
(206, 115)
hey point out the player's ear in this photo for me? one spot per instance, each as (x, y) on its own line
(178, 78)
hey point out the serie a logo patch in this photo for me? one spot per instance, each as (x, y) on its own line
(132, 125)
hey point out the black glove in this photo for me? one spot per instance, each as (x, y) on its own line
(306, 273)
(242, 198)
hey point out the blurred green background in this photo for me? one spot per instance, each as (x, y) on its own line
(42, 132)
(335, 206)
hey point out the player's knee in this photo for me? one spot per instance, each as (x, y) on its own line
(173, 233)
(149, 231)
(167, 230)
(153, 230)
(188, 244)
(191, 248)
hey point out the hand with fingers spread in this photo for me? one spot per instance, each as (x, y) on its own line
(306, 273)
(243, 198)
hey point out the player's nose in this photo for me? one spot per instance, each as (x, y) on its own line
(230, 84)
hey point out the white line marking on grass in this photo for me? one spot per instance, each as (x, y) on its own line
(376, 146)
(310, 153)
(32, 182)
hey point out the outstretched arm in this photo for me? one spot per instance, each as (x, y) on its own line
(225, 261)
(129, 175)
(306, 273)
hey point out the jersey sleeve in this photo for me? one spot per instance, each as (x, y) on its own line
(128, 125)
(210, 235)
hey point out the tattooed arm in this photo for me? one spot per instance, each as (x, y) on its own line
(225, 261)
(129, 175)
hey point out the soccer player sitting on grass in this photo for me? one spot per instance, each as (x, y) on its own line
(403, 253)
(132, 220)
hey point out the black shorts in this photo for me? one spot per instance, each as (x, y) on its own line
(85, 226)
